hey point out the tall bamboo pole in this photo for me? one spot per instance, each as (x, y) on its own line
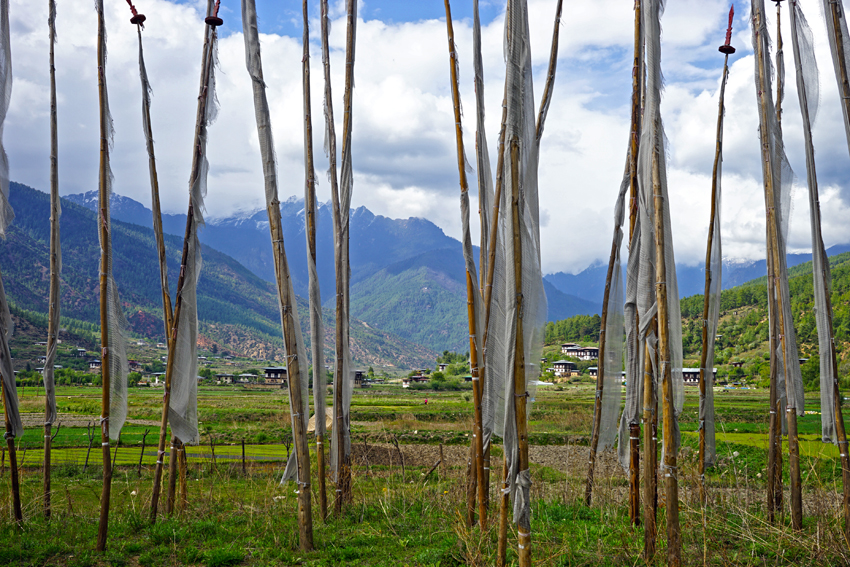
(650, 443)
(156, 210)
(343, 480)
(775, 297)
(817, 247)
(55, 255)
(105, 261)
(674, 543)
(316, 338)
(343, 458)
(634, 146)
(615, 246)
(296, 359)
(477, 436)
(520, 391)
(790, 410)
(10, 435)
(727, 50)
(212, 22)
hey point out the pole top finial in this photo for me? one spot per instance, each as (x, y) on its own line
(727, 48)
(137, 18)
(214, 20)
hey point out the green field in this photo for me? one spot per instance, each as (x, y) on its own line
(399, 516)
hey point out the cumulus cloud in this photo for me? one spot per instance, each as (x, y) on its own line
(404, 148)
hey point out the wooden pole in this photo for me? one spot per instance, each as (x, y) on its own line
(105, 262)
(634, 146)
(296, 365)
(340, 282)
(13, 459)
(650, 443)
(172, 476)
(343, 489)
(709, 277)
(477, 436)
(520, 392)
(674, 543)
(52, 331)
(790, 410)
(317, 340)
(774, 297)
(184, 484)
(504, 506)
(600, 374)
(168, 316)
(200, 117)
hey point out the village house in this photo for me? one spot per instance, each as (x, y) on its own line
(691, 376)
(567, 346)
(94, 366)
(275, 375)
(247, 378)
(224, 378)
(134, 366)
(563, 367)
(80, 353)
(442, 366)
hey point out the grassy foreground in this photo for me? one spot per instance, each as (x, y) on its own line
(401, 517)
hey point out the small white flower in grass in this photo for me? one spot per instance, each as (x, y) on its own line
(758, 475)
(735, 454)
(133, 493)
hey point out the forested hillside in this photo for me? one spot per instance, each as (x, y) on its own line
(238, 310)
(743, 328)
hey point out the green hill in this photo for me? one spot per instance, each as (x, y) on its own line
(238, 310)
(743, 326)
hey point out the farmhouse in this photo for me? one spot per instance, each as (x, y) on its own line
(360, 379)
(275, 375)
(442, 366)
(563, 367)
(566, 346)
(691, 376)
(94, 365)
(224, 378)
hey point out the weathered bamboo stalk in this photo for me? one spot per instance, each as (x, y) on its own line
(477, 436)
(13, 458)
(296, 360)
(206, 69)
(520, 391)
(844, 84)
(105, 261)
(634, 146)
(171, 498)
(600, 374)
(504, 507)
(337, 223)
(184, 484)
(709, 276)
(316, 338)
(343, 268)
(671, 482)
(53, 317)
(650, 443)
(168, 318)
(775, 298)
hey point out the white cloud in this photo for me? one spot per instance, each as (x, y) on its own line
(404, 149)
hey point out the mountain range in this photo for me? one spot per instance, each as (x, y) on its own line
(407, 275)
(238, 311)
